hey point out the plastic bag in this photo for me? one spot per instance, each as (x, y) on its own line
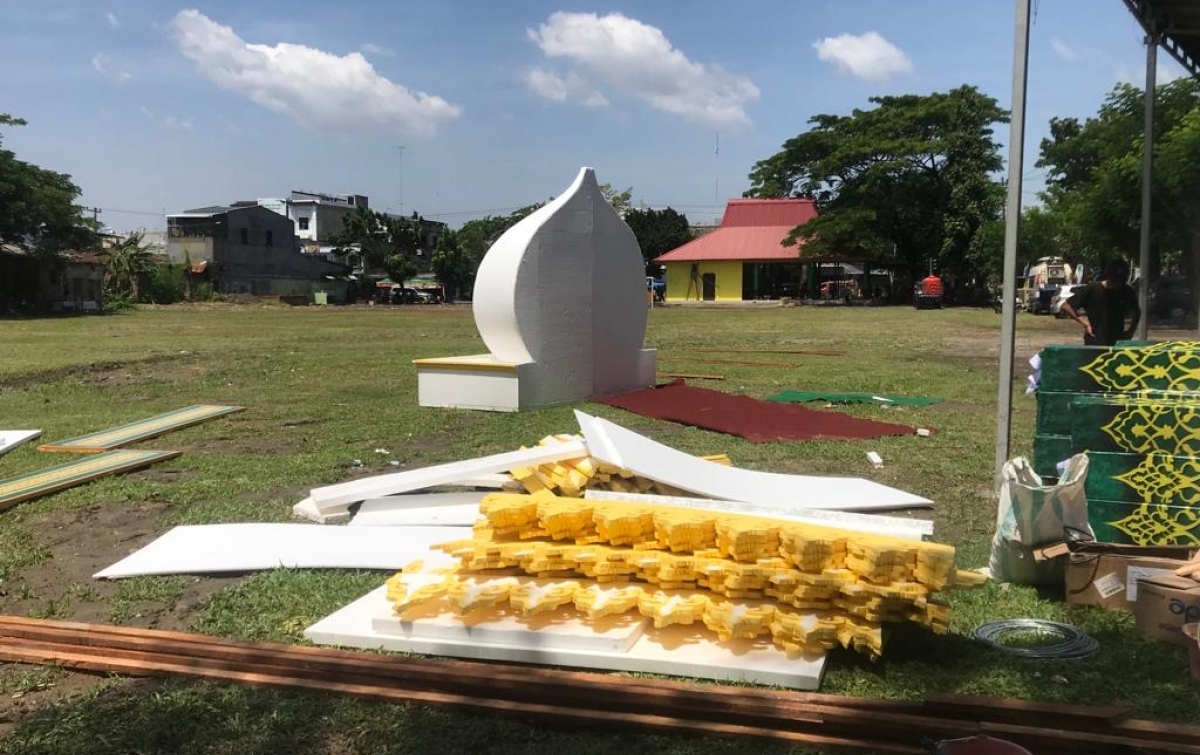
(1031, 515)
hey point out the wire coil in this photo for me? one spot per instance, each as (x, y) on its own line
(1076, 643)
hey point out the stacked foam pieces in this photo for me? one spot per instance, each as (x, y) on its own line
(807, 587)
(571, 477)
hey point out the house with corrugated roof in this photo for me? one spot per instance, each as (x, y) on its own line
(744, 258)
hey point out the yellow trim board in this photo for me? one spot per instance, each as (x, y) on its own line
(467, 364)
(123, 435)
(53, 479)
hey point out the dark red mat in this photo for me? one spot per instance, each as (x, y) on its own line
(749, 418)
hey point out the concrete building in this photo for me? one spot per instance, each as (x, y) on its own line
(246, 248)
(319, 217)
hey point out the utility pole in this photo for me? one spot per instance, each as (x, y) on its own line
(401, 149)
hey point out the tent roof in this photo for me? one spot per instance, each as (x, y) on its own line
(1178, 23)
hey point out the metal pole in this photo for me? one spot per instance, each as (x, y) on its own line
(1012, 227)
(401, 151)
(1147, 184)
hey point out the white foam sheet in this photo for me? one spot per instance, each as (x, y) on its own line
(895, 526)
(10, 439)
(337, 497)
(674, 651)
(441, 509)
(613, 444)
(223, 548)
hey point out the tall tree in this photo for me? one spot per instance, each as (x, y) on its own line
(126, 264)
(454, 266)
(373, 239)
(658, 231)
(1094, 175)
(620, 200)
(912, 178)
(37, 207)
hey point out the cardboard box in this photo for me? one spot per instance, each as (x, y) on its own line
(1107, 574)
(1165, 603)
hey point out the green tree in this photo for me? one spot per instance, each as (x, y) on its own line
(126, 264)
(453, 265)
(620, 200)
(1094, 176)
(373, 238)
(658, 231)
(38, 210)
(912, 178)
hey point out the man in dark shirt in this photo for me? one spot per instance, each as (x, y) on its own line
(1107, 303)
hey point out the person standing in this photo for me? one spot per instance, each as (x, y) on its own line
(1107, 303)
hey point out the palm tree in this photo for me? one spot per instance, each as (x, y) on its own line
(126, 263)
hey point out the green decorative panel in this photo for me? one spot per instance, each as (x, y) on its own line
(1171, 366)
(1144, 523)
(1048, 451)
(1168, 423)
(1054, 411)
(1134, 478)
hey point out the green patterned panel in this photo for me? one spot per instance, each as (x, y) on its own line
(1171, 366)
(1168, 423)
(1144, 523)
(1048, 451)
(1054, 411)
(1133, 478)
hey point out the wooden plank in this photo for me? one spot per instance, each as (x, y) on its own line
(705, 360)
(147, 665)
(1055, 727)
(689, 376)
(123, 435)
(810, 352)
(53, 479)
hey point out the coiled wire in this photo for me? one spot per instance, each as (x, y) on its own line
(1076, 643)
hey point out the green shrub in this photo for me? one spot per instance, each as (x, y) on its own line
(165, 284)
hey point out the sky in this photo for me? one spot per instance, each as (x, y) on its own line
(458, 109)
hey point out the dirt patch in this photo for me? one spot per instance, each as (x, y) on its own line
(82, 542)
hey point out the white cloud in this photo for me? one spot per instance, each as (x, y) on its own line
(374, 49)
(170, 121)
(113, 21)
(550, 85)
(638, 59)
(314, 87)
(868, 56)
(103, 66)
(1065, 51)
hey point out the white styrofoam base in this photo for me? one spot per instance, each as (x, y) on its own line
(673, 651)
(10, 439)
(525, 386)
(562, 629)
(221, 548)
(427, 509)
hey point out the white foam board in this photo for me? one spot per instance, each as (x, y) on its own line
(338, 497)
(895, 526)
(563, 629)
(219, 548)
(443, 509)
(613, 444)
(10, 439)
(673, 651)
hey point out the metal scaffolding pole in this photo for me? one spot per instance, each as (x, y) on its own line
(1147, 185)
(1012, 227)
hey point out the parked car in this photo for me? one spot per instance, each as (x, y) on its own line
(410, 296)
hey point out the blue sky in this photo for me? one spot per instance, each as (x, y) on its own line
(153, 106)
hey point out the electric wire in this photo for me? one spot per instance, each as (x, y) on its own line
(1075, 643)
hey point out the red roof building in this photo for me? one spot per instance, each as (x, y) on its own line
(744, 258)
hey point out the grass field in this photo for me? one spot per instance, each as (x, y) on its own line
(324, 387)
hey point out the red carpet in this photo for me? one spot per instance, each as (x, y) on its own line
(749, 418)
